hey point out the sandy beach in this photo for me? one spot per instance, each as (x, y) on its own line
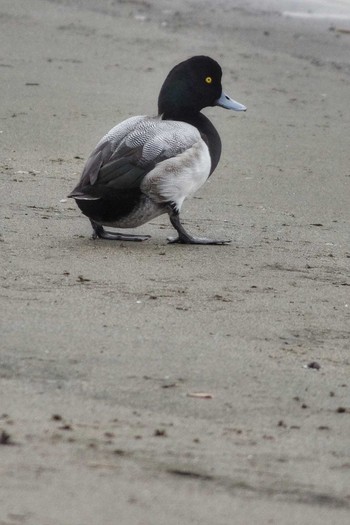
(105, 346)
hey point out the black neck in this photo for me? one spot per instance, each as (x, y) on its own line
(207, 130)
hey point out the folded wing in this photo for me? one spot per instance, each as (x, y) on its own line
(130, 151)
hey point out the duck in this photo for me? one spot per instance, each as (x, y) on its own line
(147, 166)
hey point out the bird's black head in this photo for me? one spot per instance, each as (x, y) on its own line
(189, 87)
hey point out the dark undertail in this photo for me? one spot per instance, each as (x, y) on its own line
(107, 210)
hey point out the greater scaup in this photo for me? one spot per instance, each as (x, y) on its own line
(147, 166)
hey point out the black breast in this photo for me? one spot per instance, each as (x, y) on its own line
(209, 135)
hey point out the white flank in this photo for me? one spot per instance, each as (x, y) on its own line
(177, 178)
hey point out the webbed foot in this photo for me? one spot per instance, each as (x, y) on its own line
(100, 233)
(188, 239)
(183, 236)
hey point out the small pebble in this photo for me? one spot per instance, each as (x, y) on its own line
(314, 364)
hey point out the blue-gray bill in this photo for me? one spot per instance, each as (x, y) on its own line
(228, 103)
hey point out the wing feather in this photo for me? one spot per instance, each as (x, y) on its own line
(129, 152)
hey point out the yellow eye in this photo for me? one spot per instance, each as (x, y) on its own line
(209, 80)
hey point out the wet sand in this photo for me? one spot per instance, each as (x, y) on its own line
(104, 344)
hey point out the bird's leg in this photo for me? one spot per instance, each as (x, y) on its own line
(101, 233)
(184, 237)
